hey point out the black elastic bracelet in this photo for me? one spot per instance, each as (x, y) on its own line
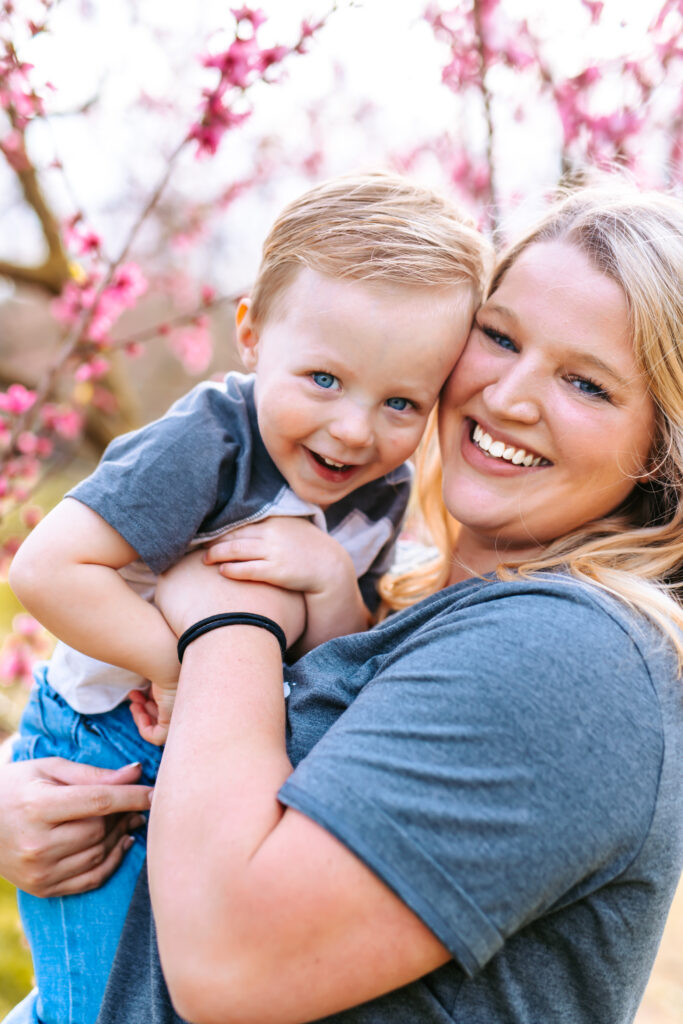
(231, 619)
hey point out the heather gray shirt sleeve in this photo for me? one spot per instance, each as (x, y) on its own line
(503, 759)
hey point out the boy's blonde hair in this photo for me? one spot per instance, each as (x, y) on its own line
(636, 552)
(371, 227)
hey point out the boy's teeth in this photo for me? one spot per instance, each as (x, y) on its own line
(331, 462)
(500, 450)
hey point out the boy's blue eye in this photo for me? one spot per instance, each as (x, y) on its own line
(324, 380)
(398, 403)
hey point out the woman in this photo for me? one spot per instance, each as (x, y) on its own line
(483, 821)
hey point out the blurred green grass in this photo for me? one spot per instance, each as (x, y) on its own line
(16, 970)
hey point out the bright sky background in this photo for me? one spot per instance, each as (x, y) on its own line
(387, 50)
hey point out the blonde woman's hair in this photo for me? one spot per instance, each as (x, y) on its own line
(372, 227)
(636, 552)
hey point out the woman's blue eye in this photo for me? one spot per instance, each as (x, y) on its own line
(324, 380)
(500, 339)
(589, 387)
(398, 403)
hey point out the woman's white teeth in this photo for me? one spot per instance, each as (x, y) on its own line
(499, 450)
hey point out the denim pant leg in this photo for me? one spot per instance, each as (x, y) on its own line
(73, 939)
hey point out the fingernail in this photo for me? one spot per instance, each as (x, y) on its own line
(151, 794)
(128, 842)
(133, 764)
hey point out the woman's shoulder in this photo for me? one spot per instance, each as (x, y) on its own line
(564, 607)
(549, 631)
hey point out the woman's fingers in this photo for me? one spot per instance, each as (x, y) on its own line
(72, 837)
(58, 769)
(89, 869)
(72, 803)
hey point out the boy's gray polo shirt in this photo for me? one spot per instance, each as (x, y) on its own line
(508, 758)
(203, 468)
(188, 477)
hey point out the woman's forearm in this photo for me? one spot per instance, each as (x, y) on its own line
(214, 805)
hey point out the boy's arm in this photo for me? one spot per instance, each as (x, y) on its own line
(65, 574)
(294, 554)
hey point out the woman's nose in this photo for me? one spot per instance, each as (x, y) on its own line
(353, 426)
(515, 395)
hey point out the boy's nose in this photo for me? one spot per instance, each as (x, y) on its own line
(353, 427)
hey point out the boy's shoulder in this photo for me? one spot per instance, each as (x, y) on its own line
(232, 396)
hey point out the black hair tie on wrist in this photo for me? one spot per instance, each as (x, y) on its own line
(231, 619)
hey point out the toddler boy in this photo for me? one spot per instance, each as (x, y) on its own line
(361, 306)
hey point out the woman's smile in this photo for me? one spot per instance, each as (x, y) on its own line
(501, 453)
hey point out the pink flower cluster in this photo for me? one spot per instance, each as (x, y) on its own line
(243, 63)
(96, 306)
(480, 34)
(27, 643)
(16, 93)
(25, 444)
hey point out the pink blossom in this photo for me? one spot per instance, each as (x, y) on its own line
(65, 422)
(237, 63)
(26, 625)
(21, 649)
(17, 399)
(93, 370)
(130, 283)
(256, 17)
(217, 120)
(208, 294)
(28, 443)
(31, 516)
(74, 299)
(12, 147)
(595, 9)
(587, 77)
(272, 55)
(463, 70)
(194, 346)
(103, 399)
(309, 28)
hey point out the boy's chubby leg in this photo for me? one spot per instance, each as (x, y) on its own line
(73, 939)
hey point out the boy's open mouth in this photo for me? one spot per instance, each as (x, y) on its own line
(322, 460)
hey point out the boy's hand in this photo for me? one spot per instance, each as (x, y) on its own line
(294, 554)
(151, 711)
(286, 551)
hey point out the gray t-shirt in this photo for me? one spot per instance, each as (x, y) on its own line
(508, 758)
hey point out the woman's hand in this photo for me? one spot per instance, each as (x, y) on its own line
(192, 590)
(64, 827)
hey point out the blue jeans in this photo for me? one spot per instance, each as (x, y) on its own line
(73, 939)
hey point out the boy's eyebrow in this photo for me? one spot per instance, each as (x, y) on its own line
(587, 357)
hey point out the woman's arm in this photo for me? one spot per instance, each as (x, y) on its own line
(64, 827)
(262, 915)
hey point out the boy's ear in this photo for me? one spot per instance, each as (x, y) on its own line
(246, 335)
